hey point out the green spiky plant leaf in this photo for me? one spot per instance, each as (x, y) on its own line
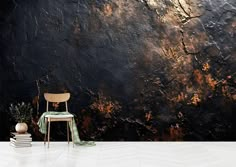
(21, 112)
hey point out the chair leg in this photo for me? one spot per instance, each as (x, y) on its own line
(45, 136)
(49, 122)
(68, 137)
(72, 134)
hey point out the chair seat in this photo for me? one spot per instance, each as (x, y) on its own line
(59, 116)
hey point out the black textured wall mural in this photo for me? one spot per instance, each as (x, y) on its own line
(150, 70)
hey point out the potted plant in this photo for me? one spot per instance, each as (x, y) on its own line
(22, 113)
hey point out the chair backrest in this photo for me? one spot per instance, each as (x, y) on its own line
(57, 98)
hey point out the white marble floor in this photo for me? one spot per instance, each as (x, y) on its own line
(121, 154)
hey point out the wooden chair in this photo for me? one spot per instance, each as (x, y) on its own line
(58, 98)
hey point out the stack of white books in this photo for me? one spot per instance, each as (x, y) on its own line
(20, 140)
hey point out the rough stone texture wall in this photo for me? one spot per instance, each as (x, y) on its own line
(136, 69)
